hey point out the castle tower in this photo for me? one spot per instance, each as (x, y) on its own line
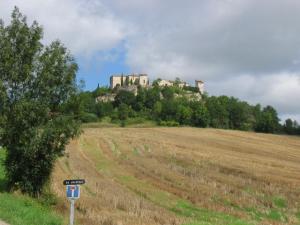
(143, 80)
(200, 84)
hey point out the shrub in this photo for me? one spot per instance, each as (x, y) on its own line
(169, 123)
(89, 117)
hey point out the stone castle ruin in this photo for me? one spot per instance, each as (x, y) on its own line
(129, 80)
(132, 81)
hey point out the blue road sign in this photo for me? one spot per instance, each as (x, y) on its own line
(73, 191)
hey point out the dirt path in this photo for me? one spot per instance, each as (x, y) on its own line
(3, 223)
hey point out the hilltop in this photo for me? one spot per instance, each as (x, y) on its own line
(185, 176)
(175, 103)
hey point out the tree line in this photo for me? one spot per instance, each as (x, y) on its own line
(168, 106)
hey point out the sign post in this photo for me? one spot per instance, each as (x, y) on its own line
(72, 212)
(73, 193)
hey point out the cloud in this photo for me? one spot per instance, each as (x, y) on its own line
(279, 90)
(214, 38)
(86, 27)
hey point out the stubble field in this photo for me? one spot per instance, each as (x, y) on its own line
(177, 176)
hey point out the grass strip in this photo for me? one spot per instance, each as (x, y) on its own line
(18, 209)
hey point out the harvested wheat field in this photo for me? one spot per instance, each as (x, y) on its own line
(184, 176)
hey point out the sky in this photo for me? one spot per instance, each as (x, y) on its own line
(249, 49)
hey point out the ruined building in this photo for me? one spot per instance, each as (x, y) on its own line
(129, 80)
(198, 83)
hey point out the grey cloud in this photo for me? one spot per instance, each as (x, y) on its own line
(258, 37)
(84, 26)
(279, 90)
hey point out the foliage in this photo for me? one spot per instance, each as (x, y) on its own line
(124, 97)
(38, 108)
(152, 96)
(169, 123)
(140, 99)
(177, 81)
(103, 109)
(87, 101)
(291, 127)
(156, 82)
(164, 104)
(268, 121)
(192, 89)
(126, 81)
(217, 108)
(157, 109)
(123, 111)
(168, 92)
(167, 105)
(101, 91)
(200, 116)
(89, 117)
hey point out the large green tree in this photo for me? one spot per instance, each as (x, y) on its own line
(218, 111)
(291, 127)
(268, 121)
(38, 105)
(200, 116)
(125, 97)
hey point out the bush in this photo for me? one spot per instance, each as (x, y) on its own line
(124, 97)
(89, 117)
(169, 123)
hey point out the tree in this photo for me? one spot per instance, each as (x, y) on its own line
(140, 99)
(104, 109)
(99, 91)
(87, 101)
(268, 122)
(123, 113)
(200, 116)
(169, 110)
(126, 81)
(157, 108)
(125, 97)
(168, 92)
(177, 81)
(39, 107)
(156, 82)
(218, 113)
(122, 82)
(239, 114)
(183, 114)
(290, 127)
(152, 96)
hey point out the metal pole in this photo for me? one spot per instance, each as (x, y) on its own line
(72, 212)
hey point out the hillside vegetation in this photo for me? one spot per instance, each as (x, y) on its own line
(175, 106)
(187, 176)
